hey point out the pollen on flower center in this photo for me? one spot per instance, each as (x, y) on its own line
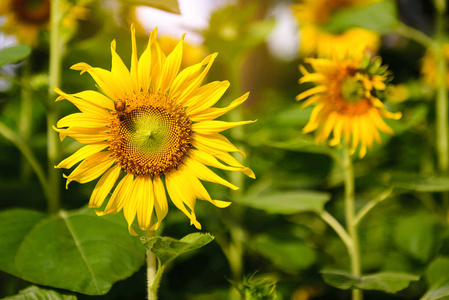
(151, 137)
(32, 11)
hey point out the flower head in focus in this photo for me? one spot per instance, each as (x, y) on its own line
(312, 15)
(348, 99)
(152, 130)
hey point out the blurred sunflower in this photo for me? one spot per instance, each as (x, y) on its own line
(156, 127)
(348, 100)
(429, 66)
(26, 18)
(313, 14)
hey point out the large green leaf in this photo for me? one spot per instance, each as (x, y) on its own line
(419, 183)
(36, 293)
(380, 16)
(415, 235)
(437, 293)
(390, 282)
(288, 202)
(14, 54)
(167, 249)
(438, 271)
(167, 5)
(289, 255)
(14, 226)
(78, 250)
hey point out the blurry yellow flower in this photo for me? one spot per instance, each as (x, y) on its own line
(192, 54)
(154, 125)
(312, 14)
(26, 18)
(347, 99)
(429, 66)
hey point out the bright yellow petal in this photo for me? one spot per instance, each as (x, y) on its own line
(315, 90)
(83, 120)
(130, 205)
(88, 101)
(205, 96)
(204, 173)
(119, 196)
(81, 154)
(160, 201)
(120, 73)
(85, 135)
(104, 186)
(208, 114)
(171, 67)
(211, 127)
(91, 168)
(217, 142)
(145, 204)
(134, 62)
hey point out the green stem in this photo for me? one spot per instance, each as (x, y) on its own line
(26, 115)
(441, 101)
(351, 225)
(152, 278)
(54, 176)
(415, 35)
(371, 204)
(27, 153)
(342, 233)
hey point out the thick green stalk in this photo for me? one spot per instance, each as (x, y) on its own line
(54, 176)
(351, 223)
(441, 101)
(26, 115)
(152, 283)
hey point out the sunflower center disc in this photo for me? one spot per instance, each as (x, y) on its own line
(150, 140)
(32, 11)
(352, 90)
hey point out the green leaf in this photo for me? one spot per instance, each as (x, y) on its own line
(379, 16)
(437, 271)
(14, 54)
(289, 255)
(166, 5)
(437, 293)
(288, 202)
(415, 235)
(34, 292)
(14, 226)
(78, 251)
(390, 282)
(419, 183)
(167, 249)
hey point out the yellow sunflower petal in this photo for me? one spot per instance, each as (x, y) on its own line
(119, 196)
(206, 96)
(87, 120)
(130, 205)
(91, 168)
(217, 142)
(315, 90)
(211, 127)
(204, 173)
(160, 201)
(207, 113)
(104, 186)
(120, 72)
(171, 67)
(134, 62)
(145, 204)
(81, 154)
(88, 101)
(85, 135)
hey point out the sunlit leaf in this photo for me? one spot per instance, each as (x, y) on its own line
(78, 250)
(289, 255)
(287, 202)
(36, 293)
(167, 5)
(437, 293)
(390, 282)
(381, 16)
(419, 183)
(167, 249)
(14, 54)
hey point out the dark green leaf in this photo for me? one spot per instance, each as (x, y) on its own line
(379, 16)
(289, 255)
(166, 5)
(288, 202)
(419, 183)
(167, 249)
(14, 54)
(390, 282)
(15, 224)
(415, 235)
(36, 293)
(75, 251)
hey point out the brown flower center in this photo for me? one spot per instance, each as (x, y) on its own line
(32, 11)
(151, 136)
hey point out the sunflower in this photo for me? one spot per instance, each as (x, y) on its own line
(26, 18)
(312, 15)
(429, 66)
(152, 131)
(348, 100)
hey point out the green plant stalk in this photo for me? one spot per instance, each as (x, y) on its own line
(54, 176)
(415, 35)
(153, 279)
(351, 225)
(27, 153)
(26, 115)
(371, 204)
(338, 228)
